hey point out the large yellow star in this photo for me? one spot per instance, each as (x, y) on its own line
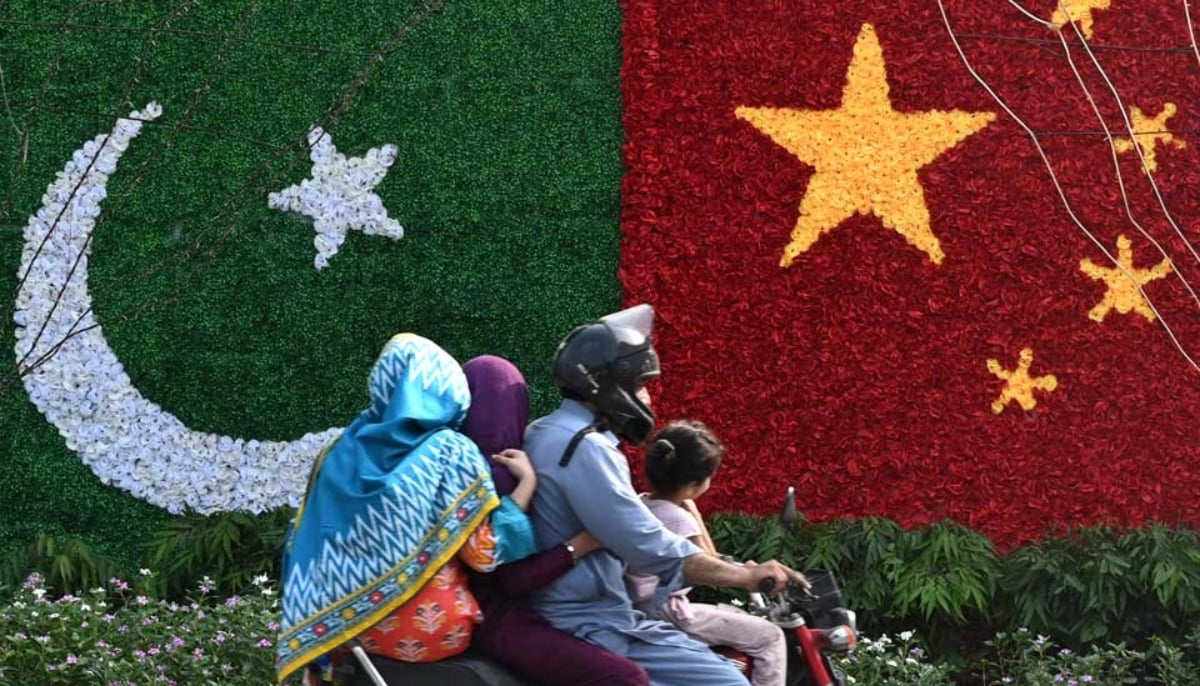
(1123, 294)
(1152, 128)
(1019, 385)
(866, 154)
(1080, 11)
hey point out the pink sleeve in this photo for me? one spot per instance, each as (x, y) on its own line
(675, 518)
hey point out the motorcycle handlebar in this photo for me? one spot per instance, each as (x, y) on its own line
(767, 585)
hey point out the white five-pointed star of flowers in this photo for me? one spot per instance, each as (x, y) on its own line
(339, 197)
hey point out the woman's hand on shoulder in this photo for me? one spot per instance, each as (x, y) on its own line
(516, 462)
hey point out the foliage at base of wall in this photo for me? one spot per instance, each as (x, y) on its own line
(1080, 587)
(228, 550)
(123, 632)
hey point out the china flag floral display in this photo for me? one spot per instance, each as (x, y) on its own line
(924, 259)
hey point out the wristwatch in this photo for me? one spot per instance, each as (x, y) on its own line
(571, 549)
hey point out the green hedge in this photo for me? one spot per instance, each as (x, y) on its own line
(1081, 587)
(507, 183)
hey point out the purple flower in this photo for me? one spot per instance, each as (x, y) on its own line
(32, 581)
(21, 636)
(147, 621)
(140, 654)
(263, 643)
(197, 654)
(118, 584)
(177, 641)
(152, 651)
(122, 629)
(273, 626)
(142, 600)
(232, 602)
(102, 644)
(108, 619)
(72, 660)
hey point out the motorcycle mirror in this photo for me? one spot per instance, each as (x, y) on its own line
(787, 515)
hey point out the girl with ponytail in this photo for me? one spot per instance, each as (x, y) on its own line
(681, 461)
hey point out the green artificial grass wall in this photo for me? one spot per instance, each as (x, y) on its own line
(506, 117)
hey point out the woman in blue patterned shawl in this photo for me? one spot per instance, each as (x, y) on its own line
(393, 504)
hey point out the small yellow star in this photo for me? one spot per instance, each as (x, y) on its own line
(1123, 294)
(1080, 11)
(1153, 128)
(866, 154)
(1019, 385)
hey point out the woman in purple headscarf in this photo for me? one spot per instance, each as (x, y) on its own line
(512, 633)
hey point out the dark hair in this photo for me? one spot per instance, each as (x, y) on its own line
(682, 453)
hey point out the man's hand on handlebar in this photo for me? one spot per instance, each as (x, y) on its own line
(772, 577)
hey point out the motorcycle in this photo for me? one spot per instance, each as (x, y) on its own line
(813, 620)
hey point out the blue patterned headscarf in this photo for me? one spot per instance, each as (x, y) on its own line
(389, 502)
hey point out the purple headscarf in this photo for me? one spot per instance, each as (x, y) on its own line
(499, 411)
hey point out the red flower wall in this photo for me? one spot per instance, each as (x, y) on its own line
(859, 373)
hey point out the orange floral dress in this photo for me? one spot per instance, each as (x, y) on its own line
(437, 622)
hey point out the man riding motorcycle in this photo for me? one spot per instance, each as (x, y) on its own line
(602, 369)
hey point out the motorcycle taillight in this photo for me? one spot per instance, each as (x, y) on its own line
(838, 639)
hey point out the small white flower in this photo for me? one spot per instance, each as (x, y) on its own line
(906, 635)
(145, 572)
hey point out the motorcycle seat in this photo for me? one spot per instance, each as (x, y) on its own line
(468, 669)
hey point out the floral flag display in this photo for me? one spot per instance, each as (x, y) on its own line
(213, 218)
(924, 259)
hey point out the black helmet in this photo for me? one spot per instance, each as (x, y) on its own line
(605, 363)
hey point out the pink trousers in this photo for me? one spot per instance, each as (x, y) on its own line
(725, 625)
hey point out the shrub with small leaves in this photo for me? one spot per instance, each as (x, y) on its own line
(887, 662)
(1023, 657)
(120, 635)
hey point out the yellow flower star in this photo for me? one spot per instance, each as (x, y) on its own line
(1080, 11)
(1153, 128)
(866, 154)
(1019, 385)
(1123, 294)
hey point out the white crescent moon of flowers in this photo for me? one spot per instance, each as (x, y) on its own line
(83, 390)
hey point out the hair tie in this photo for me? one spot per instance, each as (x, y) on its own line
(665, 447)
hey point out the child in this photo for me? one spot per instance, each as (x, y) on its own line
(680, 464)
